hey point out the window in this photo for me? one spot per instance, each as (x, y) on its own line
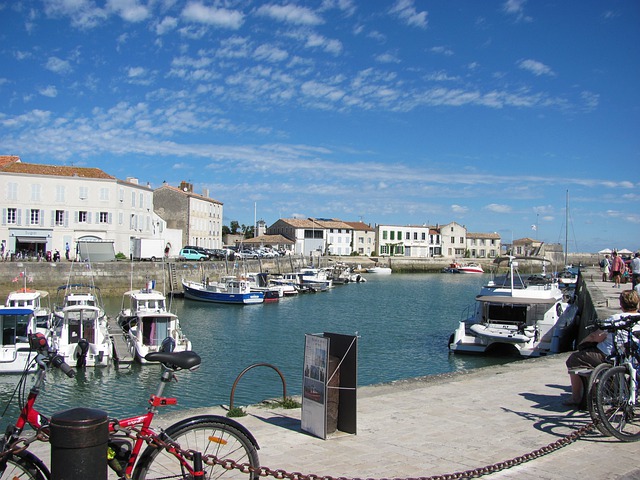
(35, 192)
(384, 234)
(407, 236)
(424, 236)
(82, 217)
(59, 218)
(415, 235)
(453, 239)
(12, 216)
(461, 239)
(60, 194)
(104, 217)
(393, 235)
(84, 193)
(12, 191)
(34, 216)
(104, 194)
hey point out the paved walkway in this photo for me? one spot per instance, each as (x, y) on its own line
(451, 423)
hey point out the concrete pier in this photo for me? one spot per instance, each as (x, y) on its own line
(450, 423)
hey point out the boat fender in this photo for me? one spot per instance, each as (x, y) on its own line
(558, 309)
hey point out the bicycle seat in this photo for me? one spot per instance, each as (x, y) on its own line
(186, 360)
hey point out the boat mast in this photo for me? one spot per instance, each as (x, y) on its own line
(566, 231)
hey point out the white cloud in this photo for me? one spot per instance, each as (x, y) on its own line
(57, 65)
(516, 8)
(83, 13)
(129, 10)
(442, 50)
(290, 14)
(535, 67)
(459, 209)
(405, 10)
(270, 53)
(48, 91)
(166, 25)
(387, 58)
(218, 17)
(497, 208)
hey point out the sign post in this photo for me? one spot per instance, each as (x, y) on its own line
(329, 384)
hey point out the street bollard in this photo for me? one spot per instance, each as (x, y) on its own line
(78, 441)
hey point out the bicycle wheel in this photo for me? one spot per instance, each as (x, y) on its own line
(619, 415)
(207, 435)
(23, 465)
(592, 395)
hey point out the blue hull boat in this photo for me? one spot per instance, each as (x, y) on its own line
(235, 291)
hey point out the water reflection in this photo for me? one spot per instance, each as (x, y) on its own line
(403, 323)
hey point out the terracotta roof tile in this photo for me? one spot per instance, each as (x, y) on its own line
(7, 159)
(54, 170)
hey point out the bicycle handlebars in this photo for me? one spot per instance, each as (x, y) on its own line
(38, 342)
(622, 323)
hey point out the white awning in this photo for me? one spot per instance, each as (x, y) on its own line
(31, 239)
(515, 300)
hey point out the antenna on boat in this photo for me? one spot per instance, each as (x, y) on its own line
(566, 231)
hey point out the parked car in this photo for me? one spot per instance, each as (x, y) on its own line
(247, 254)
(191, 254)
(201, 250)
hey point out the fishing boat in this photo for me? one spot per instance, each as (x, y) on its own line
(513, 314)
(80, 332)
(146, 322)
(17, 324)
(470, 268)
(231, 290)
(37, 300)
(463, 268)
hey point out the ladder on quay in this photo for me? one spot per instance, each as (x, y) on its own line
(173, 279)
(121, 353)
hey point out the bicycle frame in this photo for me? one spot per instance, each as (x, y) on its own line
(145, 430)
(40, 423)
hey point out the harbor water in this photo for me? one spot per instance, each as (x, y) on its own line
(403, 323)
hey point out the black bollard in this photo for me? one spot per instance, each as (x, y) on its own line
(78, 441)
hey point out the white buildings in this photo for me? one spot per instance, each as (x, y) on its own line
(46, 207)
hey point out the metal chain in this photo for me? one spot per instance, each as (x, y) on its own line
(154, 440)
(474, 473)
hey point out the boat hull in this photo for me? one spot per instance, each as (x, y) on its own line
(194, 293)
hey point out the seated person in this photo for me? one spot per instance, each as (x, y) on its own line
(597, 347)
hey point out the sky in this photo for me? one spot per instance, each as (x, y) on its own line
(493, 114)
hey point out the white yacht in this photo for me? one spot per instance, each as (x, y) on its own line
(513, 314)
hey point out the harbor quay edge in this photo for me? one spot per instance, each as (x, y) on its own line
(116, 277)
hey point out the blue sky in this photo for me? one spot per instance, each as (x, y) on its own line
(399, 112)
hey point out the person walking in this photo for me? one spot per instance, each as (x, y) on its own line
(66, 251)
(635, 270)
(605, 268)
(617, 269)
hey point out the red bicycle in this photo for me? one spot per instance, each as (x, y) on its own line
(203, 446)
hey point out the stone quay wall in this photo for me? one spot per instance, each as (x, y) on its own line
(114, 278)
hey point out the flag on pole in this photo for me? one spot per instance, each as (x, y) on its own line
(534, 227)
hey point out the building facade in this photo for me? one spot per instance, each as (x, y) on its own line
(363, 238)
(197, 216)
(47, 208)
(408, 241)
